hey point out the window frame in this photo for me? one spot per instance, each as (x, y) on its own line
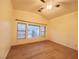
(21, 31)
(26, 23)
(43, 31)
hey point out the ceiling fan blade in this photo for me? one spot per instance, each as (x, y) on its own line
(43, 1)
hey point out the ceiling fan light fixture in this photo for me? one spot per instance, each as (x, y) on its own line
(49, 7)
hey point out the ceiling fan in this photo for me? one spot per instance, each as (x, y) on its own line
(44, 1)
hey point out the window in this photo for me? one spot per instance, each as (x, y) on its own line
(36, 30)
(21, 30)
(33, 31)
(42, 30)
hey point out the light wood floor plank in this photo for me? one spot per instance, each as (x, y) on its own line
(42, 50)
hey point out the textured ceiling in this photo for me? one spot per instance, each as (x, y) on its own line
(66, 6)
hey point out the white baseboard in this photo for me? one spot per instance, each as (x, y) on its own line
(65, 45)
(6, 53)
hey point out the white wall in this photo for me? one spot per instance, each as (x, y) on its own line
(5, 27)
(63, 30)
(26, 16)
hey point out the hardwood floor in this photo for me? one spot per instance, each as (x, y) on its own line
(42, 50)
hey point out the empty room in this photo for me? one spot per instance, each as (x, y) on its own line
(38, 29)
